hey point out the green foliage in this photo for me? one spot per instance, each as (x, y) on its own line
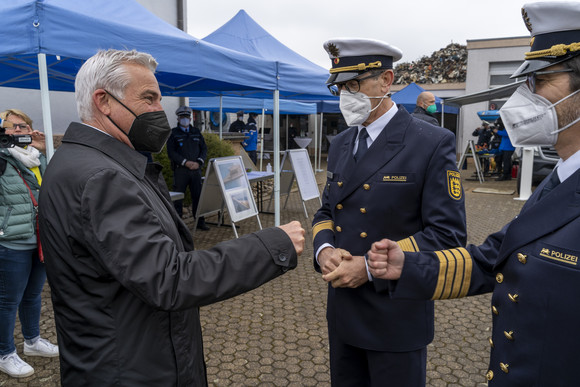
(215, 148)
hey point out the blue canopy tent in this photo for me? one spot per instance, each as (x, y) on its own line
(44, 43)
(407, 97)
(298, 78)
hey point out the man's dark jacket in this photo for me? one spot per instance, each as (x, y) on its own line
(422, 114)
(125, 283)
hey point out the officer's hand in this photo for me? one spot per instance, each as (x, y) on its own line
(386, 260)
(296, 233)
(351, 273)
(329, 258)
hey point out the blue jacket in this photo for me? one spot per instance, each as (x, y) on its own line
(407, 188)
(506, 144)
(531, 266)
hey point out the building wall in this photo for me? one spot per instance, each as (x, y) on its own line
(63, 105)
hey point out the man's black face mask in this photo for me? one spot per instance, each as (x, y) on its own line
(149, 131)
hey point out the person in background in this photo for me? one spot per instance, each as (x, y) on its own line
(506, 151)
(125, 280)
(238, 125)
(388, 174)
(425, 108)
(483, 134)
(531, 264)
(187, 151)
(250, 143)
(22, 272)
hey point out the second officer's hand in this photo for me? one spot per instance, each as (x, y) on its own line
(351, 273)
(193, 165)
(329, 258)
(386, 260)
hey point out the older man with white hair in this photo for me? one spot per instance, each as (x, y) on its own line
(126, 284)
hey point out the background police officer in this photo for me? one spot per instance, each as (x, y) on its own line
(187, 151)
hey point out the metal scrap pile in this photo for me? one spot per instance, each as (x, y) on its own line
(443, 66)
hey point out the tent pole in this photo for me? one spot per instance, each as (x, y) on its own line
(262, 141)
(315, 141)
(276, 129)
(45, 101)
(220, 117)
(286, 131)
(320, 150)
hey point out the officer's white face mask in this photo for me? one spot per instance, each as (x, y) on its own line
(184, 122)
(531, 119)
(356, 107)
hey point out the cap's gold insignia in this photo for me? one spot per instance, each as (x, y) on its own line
(532, 41)
(454, 185)
(336, 60)
(334, 51)
(526, 20)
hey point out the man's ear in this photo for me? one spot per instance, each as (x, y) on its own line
(102, 100)
(387, 77)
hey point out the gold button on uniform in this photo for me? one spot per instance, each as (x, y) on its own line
(338, 228)
(339, 206)
(499, 278)
(522, 258)
(504, 367)
(509, 335)
(339, 183)
(363, 210)
(513, 297)
(489, 375)
(363, 234)
(366, 187)
(494, 310)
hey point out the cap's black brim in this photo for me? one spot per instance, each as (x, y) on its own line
(533, 65)
(343, 77)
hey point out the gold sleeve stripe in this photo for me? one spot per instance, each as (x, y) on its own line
(467, 272)
(455, 267)
(408, 245)
(441, 278)
(451, 269)
(459, 272)
(324, 225)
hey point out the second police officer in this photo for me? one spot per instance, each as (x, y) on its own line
(187, 151)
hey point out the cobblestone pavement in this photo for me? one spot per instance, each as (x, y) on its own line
(276, 335)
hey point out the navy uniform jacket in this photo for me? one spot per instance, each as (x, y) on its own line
(182, 147)
(531, 266)
(407, 188)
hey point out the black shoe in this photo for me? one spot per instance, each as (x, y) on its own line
(502, 178)
(202, 227)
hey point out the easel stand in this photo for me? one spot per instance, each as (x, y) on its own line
(469, 151)
(296, 165)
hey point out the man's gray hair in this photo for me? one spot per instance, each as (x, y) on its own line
(106, 70)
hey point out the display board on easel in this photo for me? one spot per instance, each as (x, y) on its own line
(226, 185)
(296, 166)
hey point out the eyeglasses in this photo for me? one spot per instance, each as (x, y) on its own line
(352, 85)
(20, 126)
(531, 78)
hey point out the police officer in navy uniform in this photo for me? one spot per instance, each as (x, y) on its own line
(393, 175)
(187, 151)
(238, 125)
(531, 265)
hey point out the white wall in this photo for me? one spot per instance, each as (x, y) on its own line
(63, 106)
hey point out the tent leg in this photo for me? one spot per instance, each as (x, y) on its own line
(45, 101)
(276, 130)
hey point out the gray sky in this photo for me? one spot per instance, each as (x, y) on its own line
(417, 27)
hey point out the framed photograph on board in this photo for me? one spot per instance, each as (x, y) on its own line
(236, 187)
